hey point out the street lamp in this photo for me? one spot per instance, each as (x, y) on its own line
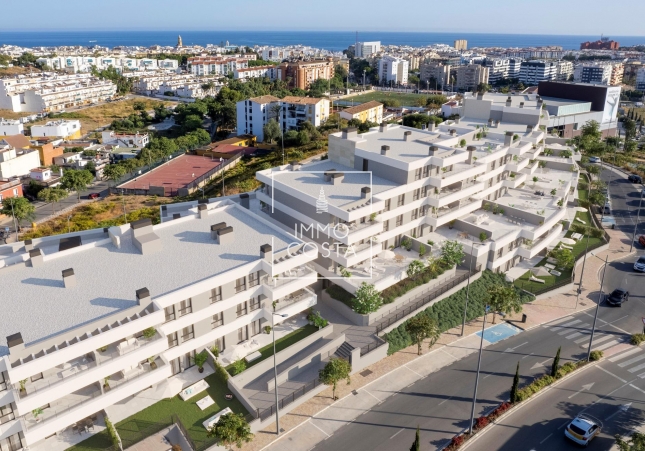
(15, 226)
(479, 362)
(593, 328)
(470, 270)
(69, 228)
(638, 214)
(221, 161)
(582, 272)
(275, 371)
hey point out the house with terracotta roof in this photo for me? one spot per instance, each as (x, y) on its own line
(365, 112)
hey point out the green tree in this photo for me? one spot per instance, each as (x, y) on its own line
(303, 138)
(452, 252)
(191, 123)
(22, 209)
(231, 429)
(636, 442)
(483, 88)
(271, 131)
(139, 106)
(563, 257)
(114, 172)
(556, 363)
(420, 328)
(516, 384)
(335, 371)
(76, 180)
(416, 445)
(52, 195)
(504, 299)
(367, 299)
(415, 267)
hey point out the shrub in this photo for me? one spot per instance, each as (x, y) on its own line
(456, 442)
(367, 299)
(114, 436)
(481, 423)
(149, 332)
(637, 339)
(595, 355)
(221, 373)
(238, 366)
(597, 233)
(483, 237)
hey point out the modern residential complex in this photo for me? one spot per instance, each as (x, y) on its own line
(302, 73)
(469, 77)
(51, 92)
(602, 73)
(564, 71)
(179, 85)
(133, 306)
(392, 70)
(435, 72)
(604, 43)
(366, 112)
(75, 64)
(215, 65)
(533, 72)
(270, 72)
(367, 49)
(640, 79)
(61, 128)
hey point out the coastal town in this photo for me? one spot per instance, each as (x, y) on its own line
(281, 247)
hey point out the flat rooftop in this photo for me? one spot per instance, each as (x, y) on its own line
(36, 303)
(310, 178)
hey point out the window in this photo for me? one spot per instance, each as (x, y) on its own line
(255, 303)
(424, 191)
(499, 252)
(399, 220)
(386, 226)
(185, 307)
(216, 295)
(254, 279)
(255, 328)
(242, 334)
(170, 313)
(3, 382)
(415, 194)
(187, 333)
(36, 377)
(175, 366)
(426, 171)
(218, 320)
(11, 443)
(220, 343)
(242, 309)
(387, 205)
(190, 359)
(400, 200)
(365, 164)
(415, 213)
(417, 174)
(240, 284)
(172, 340)
(6, 414)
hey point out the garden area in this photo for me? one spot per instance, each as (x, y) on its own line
(448, 313)
(393, 99)
(130, 430)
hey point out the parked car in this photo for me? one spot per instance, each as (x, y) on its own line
(641, 240)
(639, 265)
(594, 159)
(93, 196)
(607, 208)
(635, 178)
(583, 429)
(617, 297)
(608, 222)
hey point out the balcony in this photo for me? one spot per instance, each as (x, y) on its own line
(295, 302)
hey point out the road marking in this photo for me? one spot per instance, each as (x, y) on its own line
(585, 387)
(583, 339)
(546, 438)
(402, 429)
(373, 396)
(314, 425)
(601, 320)
(630, 361)
(564, 424)
(448, 399)
(611, 374)
(541, 364)
(513, 349)
(491, 374)
(600, 338)
(526, 356)
(609, 344)
(636, 368)
(574, 335)
(633, 386)
(558, 321)
(412, 370)
(554, 329)
(564, 332)
(624, 354)
(622, 408)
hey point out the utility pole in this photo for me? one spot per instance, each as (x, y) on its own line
(479, 362)
(582, 272)
(638, 213)
(595, 318)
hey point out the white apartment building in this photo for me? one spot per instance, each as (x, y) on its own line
(514, 67)
(469, 77)
(564, 70)
(367, 49)
(533, 72)
(270, 72)
(62, 128)
(393, 70)
(437, 71)
(186, 85)
(49, 92)
(215, 65)
(138, 140)
(16, 162)
(75, 64)
(498, 69)
(254, 113)
(11, 127)
(640, 79)
(192, 89)
(133, 306)
(602, 73)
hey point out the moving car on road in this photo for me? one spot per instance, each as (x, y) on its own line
(583, 429)
(635, 178)
(594, 159)
(639, 265)
(617, 297)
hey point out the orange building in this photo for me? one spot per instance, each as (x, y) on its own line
(47, 153)
(301, 74)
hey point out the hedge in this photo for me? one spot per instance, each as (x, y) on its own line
(448, 312)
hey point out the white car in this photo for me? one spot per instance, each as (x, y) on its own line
(594, 159)
(583, 429)
(639, 265)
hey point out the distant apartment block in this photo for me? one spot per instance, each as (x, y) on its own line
(139, 140)
(62, 128)
(73, 64)
(301, 74)
(11, 127)
(367, 49)
(601, 44)
(533, 72)
(433, 71)
(602, 73)
(366, 112)
(393, 70)
(498, 69)
(215, 65)
(469, 77)
(640, 79)
(564, 70)
(49, 92)
(270, 72)
(461, 45)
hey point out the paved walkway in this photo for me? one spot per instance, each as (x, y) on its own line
(319, 417)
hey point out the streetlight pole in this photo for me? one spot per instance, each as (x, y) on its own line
(638, 213)
(15, 225)
(364, 80)
(593, 328)
(479, 362)
(582, 272)
(275, 371)
(470, 270)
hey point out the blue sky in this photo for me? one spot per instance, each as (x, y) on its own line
(580, 17)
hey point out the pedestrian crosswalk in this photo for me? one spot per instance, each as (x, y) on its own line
(579, 332)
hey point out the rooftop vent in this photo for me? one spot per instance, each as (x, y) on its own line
(36, 257)
(15, 340)
(143, 236)
(215, 228)
(457, 120)
(337, 178)
(176, 215)
(349, 132)
(508, 101)
(245, 201)
(508, 139)
(471, 150)
(529, 129)
(225, 235)
(143, 296)
(266, 252)
(295, 165)
(203, 211)
(521, 104)
(407, 135)
(433, 151)
(69, 279)
(453, 132)
(28, 245)
(328, 174)
(384, 150)
(366, 192)
(431, 126)
(382, 127)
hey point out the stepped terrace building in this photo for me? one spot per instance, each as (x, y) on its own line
(91, 319)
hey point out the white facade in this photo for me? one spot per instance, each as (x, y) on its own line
(11, 127)
(367, 49)
(564, 70)
(64, 128)
(254, 113)
(533, 72)
(593, 72)
(270, 72)
(498, 69)
(85, 63)
(40, 174)
(208, 65)
(16, 162)
(393, 70)
(139, 140)
(640, 79)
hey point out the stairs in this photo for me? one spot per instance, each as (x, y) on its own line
(344, 351)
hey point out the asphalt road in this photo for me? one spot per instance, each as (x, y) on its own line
(624, 201)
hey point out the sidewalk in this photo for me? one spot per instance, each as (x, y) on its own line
(319, 417)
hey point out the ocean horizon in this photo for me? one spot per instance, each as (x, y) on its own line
(329, 40)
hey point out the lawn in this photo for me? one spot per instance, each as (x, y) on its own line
(191, 417)
(406, 99)
(280, 344)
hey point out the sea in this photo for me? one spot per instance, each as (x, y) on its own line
(329, 40)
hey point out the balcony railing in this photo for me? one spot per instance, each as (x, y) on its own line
(217, 323)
